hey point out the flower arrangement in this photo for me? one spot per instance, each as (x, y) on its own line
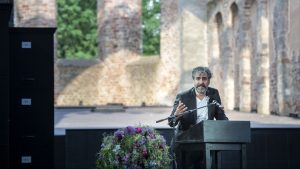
(134, 148)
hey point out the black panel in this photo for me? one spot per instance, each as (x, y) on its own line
(31, 103)
(4, 104)
(269, 148)
(34, 119)
(227, 159)
(6, 1)
(4, 157)
(32, 62)
(59, 152)
(257, 150)
(38, 149)
(86, 153)
(277, 151)
(5, 10)
(294, 150)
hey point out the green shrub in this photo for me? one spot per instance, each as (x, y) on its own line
(77, 29)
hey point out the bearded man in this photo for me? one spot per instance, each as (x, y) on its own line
(199, 96)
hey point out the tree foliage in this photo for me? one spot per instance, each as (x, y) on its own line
(77, 29)
(151, 27)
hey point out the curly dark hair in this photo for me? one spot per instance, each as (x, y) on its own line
(202, 69)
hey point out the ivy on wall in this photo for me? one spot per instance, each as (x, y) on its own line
(77, 29)
(151, 27)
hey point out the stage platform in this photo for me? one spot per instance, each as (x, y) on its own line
(79, 131)
(85, 117)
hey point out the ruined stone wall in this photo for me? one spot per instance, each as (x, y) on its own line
(266, 55)
(193, 27)
(250, 45)
(35, 13)
(120, 74)
(294, 52)
(107, 80)
(285, 57)
(225, 47)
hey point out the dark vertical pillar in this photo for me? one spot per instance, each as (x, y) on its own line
(5, 10)
(31, 98)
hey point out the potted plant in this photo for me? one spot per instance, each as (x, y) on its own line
(134, 148)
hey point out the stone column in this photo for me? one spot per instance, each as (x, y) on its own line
(282, 59)
(120, 43)
(119, 26)
(294, 49)
(214, 55)
(33, 13)
(228, 64)
(263, 65)
(235, 51)
(245, 53)
(193, 38)
(168, 73)
(274, 108)
(254, 54)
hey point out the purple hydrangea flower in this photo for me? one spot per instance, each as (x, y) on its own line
(145, 153)
(163, 141)
(126, 159)
(129, 130)
(119, 134)
(148, 131)
(138, 130)
(151, 164)
(142, 141)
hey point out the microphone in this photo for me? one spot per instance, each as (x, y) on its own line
(216, 103)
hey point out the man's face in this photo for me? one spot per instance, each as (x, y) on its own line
(201, 82)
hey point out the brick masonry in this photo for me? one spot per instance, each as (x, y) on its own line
(251, 47)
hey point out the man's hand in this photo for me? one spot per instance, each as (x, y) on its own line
(180, 109)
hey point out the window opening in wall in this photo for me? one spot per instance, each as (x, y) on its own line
(77, 29)
(151, 27)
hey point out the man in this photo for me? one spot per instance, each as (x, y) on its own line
(199, 96)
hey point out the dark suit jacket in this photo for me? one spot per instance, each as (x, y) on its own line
(189, 99)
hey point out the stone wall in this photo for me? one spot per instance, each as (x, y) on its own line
(265, 52)
(251, 46)
(193, 34)
(294, 53)
(121, 75)
(35, 13)
(129, 81)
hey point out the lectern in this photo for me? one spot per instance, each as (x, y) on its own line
(216, 135)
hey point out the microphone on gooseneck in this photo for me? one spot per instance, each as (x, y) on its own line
(215, 102)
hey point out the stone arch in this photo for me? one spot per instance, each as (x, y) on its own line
(281, 61)
(219, 21)
(216, 23)
(245, 57)
(219, 26)
(262, 77)
(234, 12)
(227, 60)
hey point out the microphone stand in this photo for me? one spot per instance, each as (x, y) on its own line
(173, 118)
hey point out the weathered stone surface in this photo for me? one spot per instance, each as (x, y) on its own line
(35, 13)
(252, 48)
